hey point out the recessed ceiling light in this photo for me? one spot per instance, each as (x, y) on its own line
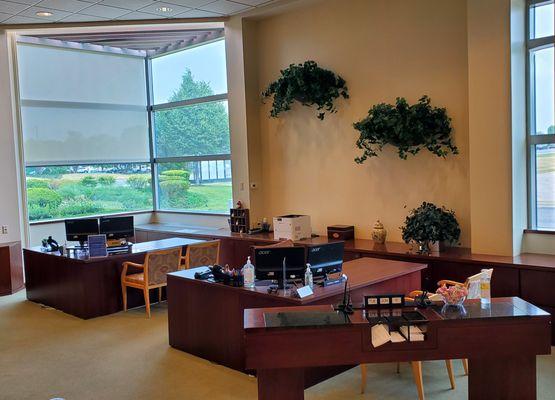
(164, 9)
(44, 14)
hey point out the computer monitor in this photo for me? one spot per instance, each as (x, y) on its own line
(269, 262)
(117, 227)
(326, 258)
(78, 230)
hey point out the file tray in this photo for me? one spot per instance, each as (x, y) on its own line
(399, 321)
(300, 319)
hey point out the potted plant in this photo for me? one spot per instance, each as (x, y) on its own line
(309, 85)
(430, 225)
(410, 128)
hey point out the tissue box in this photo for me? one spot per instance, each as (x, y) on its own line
(294, 227)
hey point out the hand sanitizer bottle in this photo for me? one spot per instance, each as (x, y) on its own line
(308, 279)
(485, 289)
(248, 274)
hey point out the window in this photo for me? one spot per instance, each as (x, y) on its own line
(191, 130)
(541, 114)
(98, 126)
(57, 192)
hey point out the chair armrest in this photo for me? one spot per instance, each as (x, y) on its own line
(449, 282)
(414, 294)
(132, 264)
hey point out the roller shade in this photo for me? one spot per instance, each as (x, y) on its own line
(82, 107)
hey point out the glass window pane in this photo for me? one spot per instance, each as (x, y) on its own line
(194, 186)
(545, 186)
(200, 129)
(59, 192)
(189, 74)
(543, 71)
(542, 20)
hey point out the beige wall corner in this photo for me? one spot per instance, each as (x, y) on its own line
(10, 211)
(489, 91)
(383, 49)
(237, 110)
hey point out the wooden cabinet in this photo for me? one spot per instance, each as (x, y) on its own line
(537, 287)
(11, 268)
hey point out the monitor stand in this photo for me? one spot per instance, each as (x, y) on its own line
(327, 281)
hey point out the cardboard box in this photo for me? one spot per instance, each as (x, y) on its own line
(294, 227)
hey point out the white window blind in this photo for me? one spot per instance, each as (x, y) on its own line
(82, 107)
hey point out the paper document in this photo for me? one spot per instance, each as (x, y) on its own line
(396, 337)
(380, 335)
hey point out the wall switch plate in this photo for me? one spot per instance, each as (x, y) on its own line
(4, 229)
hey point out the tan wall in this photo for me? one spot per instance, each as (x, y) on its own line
(384, 49)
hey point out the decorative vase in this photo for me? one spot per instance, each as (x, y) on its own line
(379, 233)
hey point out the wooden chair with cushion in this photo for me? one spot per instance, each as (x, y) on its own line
(154, 274)
(201, 254)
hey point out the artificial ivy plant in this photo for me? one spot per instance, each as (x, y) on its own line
(309, 85)
(430, 223)
(410, 128)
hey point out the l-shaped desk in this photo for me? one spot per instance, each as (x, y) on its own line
(206, 318)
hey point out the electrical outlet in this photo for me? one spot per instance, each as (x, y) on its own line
(4, 229)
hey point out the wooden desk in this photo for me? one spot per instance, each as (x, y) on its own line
(206, 318)
(86, 287)
(501, 344)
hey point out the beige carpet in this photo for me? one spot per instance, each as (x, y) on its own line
(45, 353)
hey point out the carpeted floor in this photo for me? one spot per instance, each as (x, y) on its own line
(45, 353)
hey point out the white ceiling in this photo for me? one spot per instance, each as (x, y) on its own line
(25, 11)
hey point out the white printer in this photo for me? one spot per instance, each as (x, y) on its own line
(293, 227)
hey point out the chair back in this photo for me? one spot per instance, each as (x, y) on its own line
(473, 283)
(201, 254)
(159, 263)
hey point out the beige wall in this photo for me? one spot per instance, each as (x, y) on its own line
(383, 49)
(9, 164)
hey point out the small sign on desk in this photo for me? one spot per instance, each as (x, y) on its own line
(97, 246)
(304, 291)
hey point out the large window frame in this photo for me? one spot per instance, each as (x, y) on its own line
(533, 139)
(153, 160)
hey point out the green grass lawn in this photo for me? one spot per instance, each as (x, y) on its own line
(217, 194)
(546, 163)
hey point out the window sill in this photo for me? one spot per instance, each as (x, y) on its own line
(214, 214)
(59, 220)
(539, 232)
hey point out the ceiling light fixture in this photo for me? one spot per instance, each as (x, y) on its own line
(164, 9)
(44, 14)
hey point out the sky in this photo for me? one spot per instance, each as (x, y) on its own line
(545, 67)
(207, 63)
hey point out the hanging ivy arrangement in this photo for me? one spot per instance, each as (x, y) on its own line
(309, 85)
(410, 128)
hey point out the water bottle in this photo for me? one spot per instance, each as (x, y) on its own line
(485, 288)
(248, 274)
(308, 278)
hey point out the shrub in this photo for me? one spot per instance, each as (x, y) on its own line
(89, 181)
(173, 192)
(107, 180)
(195, 200)
(174, 174)
(37, 212)
(79, 206)
(139, 182)
(37, 183)
(43, 198)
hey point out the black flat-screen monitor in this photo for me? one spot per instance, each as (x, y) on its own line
(117, 227)
(268, 262)
(78, 230)
(326, 258)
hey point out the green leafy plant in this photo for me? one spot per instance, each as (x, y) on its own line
(309, 85)
(430, 223)
(43, 197)
(139, 182)
(410, 128)
(89, 181)
(37, 183)
(107, 180)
